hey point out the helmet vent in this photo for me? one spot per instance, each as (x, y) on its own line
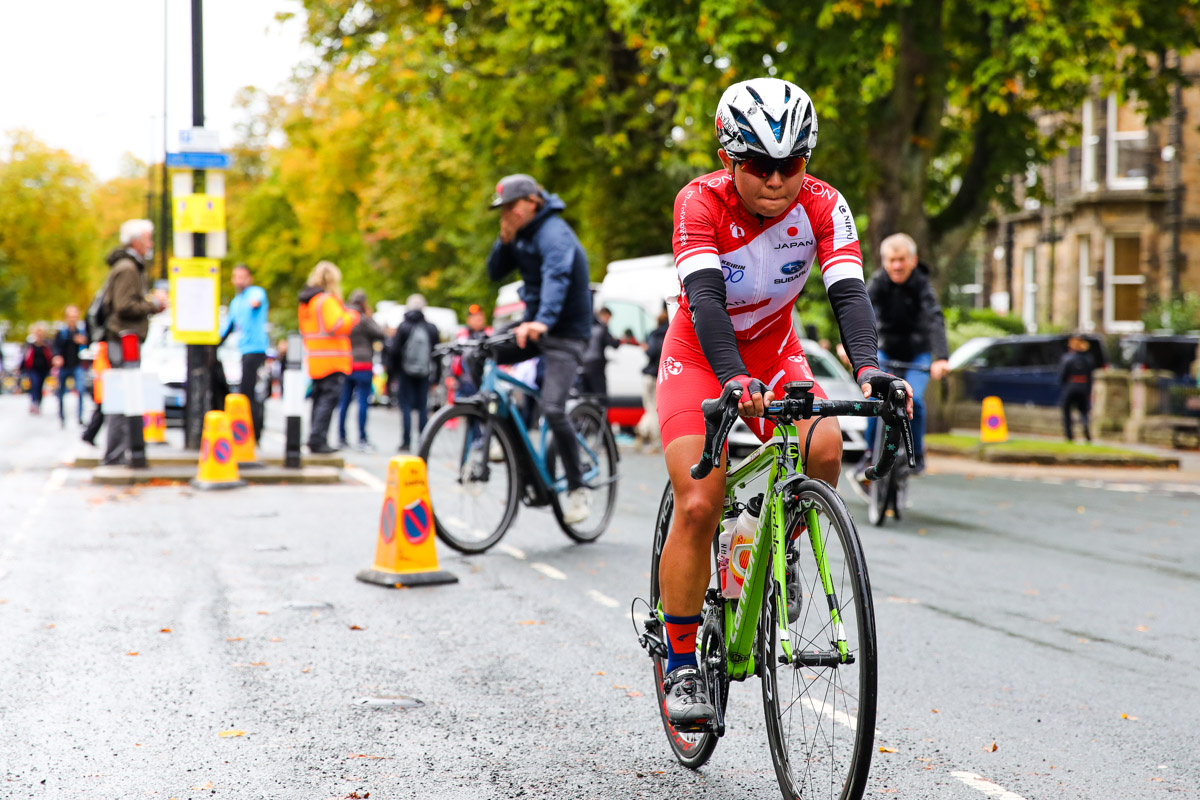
(744, 125)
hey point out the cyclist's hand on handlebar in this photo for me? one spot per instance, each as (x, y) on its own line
(755, 395)
(875, 383)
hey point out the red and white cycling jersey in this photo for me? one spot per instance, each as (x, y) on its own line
(765, 264)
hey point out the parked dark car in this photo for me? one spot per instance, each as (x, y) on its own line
(1018, 369)
(1171, 352)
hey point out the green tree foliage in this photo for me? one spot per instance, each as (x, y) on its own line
(47, 227)
(925, 105)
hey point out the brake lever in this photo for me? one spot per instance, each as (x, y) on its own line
(716, 431)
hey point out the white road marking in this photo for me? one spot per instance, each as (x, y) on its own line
(362, 476)
(549, 571)
(826, 710)
(986, 786)
(508, 549)
(603, 599)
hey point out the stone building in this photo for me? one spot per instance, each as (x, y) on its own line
(1120, 225)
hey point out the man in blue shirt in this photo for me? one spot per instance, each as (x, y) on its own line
(248, 314)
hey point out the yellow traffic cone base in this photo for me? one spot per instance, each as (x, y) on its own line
(218, 468)
(405, 553)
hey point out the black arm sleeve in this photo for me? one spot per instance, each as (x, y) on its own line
(937, 323)
(500, 261)
(856, 321)
(705, 289)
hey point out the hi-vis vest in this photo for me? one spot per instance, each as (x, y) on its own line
(99, 367)
(326, 325)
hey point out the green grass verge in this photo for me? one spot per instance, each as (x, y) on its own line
(970, 444)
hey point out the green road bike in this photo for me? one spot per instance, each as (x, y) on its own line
(804, 624)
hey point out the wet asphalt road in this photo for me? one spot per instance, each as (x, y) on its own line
(1040, 636)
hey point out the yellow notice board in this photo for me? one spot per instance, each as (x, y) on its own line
(195, 294)
(199, 213)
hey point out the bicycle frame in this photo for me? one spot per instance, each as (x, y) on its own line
(784, 466)
(500, 404)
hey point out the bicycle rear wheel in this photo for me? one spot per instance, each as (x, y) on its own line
(820, 706)
(598, 464)
(473, 483)
(692, 749)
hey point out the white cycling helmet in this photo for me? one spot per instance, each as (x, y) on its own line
(766, 117)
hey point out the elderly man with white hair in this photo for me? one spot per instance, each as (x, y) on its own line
(127, 307)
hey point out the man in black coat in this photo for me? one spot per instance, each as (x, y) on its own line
(911, 327)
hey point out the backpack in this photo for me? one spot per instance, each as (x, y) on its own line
(417, 358)
(97, 316)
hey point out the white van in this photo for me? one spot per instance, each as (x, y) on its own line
(635, 290)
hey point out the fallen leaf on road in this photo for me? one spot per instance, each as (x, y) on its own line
(615, 686)
(909, 600)
(50, 625)
(364, 755)
(1157, 780)
(935, 711)
(357, 796)
(306, 669)
(357, 628)
(264, 613)
(258, 663)
(883, 749)
(601, 672)
(1127, 716)
(276, 639)
(634, 693)
(531, 622)
(1079, 509)
(234, 639)
(1141, 628)
(993, 748)
(229, 734)
(1032, 592)
(920, 758)
(164, 630)
(922, 532)
(136, 653)
(205, 786)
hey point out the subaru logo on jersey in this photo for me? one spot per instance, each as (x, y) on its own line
(792, 267)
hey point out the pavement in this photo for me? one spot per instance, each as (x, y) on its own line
(1037, 640)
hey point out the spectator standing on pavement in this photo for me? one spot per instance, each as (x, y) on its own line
(647, 427)
(127, 307)
(537, 242)
(248, 316)
(67, 343)
(593, 380)
(325, 324)
(911, 328)
(362, 369)
(1075, 385)
(414, 367)
(36, 362)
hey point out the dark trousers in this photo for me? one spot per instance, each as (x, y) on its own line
(414, 396)
(358, 384)
(37, 383)
(251, 364)
(561, 359)
(325, 395)
(76, 374)
(1077, 396)
(593, 381)
(116, 446)
(93, 426)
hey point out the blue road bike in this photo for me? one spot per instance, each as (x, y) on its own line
(482, 459)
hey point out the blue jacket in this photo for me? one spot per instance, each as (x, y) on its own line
(555, 269)
(251, 322)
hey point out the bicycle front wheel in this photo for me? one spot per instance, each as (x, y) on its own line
(819, 693)
(471, 468)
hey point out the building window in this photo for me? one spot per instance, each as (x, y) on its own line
(1127, 138)
(1029, 287)
(1123, 281)
(1089, 141)
(1087, 283)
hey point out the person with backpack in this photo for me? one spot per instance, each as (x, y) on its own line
(67, 342)
(125, 307)
(414, 367)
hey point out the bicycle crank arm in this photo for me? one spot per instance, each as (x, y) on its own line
(817, 658)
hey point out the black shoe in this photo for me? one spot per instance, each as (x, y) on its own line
(321, 448)
(404, 448)
(687, 701)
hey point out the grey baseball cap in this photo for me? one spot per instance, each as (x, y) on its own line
(514, 187)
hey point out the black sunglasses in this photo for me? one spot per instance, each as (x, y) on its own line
(765, 166)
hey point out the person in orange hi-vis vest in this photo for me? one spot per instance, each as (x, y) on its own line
(99, 366)
(325, 324)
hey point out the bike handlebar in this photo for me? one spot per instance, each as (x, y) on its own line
(460, 347)
(720, 413)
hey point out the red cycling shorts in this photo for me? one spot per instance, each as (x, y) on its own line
(685, 378)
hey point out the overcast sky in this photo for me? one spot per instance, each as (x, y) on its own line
(87, 75)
